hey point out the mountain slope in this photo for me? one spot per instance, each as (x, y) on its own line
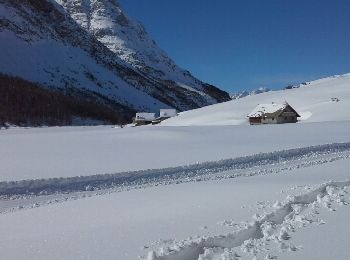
(23, 103)
(312, 101)
(129, 39)
(47, 44)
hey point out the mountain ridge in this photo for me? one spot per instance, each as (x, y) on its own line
(245, 93)
(44, 44)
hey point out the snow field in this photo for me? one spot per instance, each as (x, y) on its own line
(28, 154)
(197, 172)
(187, 193)
(312, 101)
(128, 225)
(274, 226)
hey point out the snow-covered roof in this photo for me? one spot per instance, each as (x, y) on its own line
(267, 109)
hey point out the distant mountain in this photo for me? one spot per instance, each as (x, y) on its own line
(94, 51)
(245, 93)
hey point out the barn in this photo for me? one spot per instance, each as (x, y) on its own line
(273, 114)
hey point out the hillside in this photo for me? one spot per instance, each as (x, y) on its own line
(23, 103)
(312, 101)
(92, 48)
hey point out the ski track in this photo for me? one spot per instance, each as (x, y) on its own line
(104, 181)
(18, 195)
(274, 226)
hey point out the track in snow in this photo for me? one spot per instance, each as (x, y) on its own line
(33, 193)
(182, 173)
(274, 226)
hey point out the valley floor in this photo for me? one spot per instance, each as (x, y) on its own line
(83, 151)
(235, 192)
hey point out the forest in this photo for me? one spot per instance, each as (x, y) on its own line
(23, 103)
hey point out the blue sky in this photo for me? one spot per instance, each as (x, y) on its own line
(246, 44)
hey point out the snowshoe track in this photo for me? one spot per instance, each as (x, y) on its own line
(263, 228)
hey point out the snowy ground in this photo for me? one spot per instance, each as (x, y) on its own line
(209, 191)
(181, 221)
(76, 151)
(204, 208)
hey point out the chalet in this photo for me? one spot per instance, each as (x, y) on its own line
(165, 114)
(144, 118)
(273, 114)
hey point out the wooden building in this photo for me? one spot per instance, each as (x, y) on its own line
(273, 114)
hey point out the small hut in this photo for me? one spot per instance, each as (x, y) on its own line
(165, 114)
(144, 118)
(273, 114)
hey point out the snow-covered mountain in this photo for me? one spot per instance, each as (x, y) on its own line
(325, 99)
(127, 38)
(92, 49)
(245, 93)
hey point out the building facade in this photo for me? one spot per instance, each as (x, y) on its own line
(273, 114)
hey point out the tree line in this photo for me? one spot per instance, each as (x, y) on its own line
(24, 103)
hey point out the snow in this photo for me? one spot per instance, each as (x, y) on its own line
(323, 236)
(94, 48)
(245, 93)
(75, 151)
(312, 101)
(46, 58)
(263, 109)
(216, 189)
(174, 175)
(128, 38)
(126, 225)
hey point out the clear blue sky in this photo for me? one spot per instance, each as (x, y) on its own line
(245, 44)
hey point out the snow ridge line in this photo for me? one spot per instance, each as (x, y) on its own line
(133, 178)
(192, 250)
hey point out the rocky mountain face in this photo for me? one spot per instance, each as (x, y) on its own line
(93, 50)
